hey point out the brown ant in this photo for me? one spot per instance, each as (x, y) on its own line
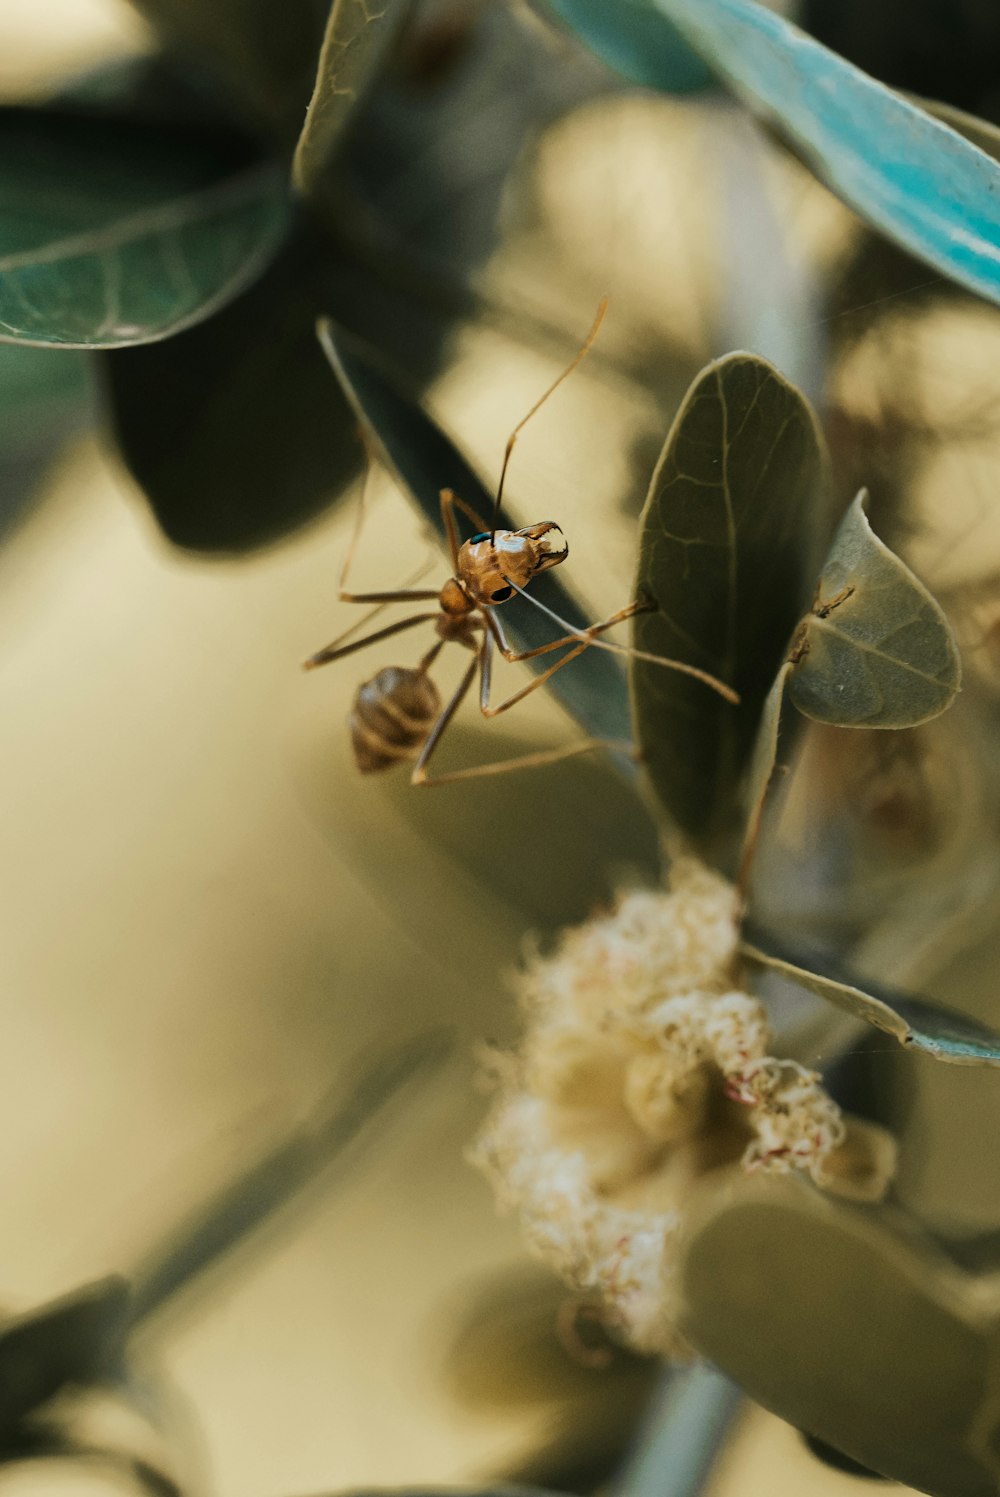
(398, 713)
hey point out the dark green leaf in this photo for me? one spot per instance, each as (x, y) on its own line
(77, 1339)
(358, 36)
(234, 429)
(423, 460)
(762, 763)
(44, 396)
(916, 180)
(724, 545)
(265, 52)
(878, 651)
(635, 42)
(117, 232)
(849, 1324)
(914, 1022)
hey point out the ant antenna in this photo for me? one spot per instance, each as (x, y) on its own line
(537, 407)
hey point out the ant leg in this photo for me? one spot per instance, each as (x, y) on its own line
(337, 650)
(449, 503)
(398, 595)
(501, 766)
(587, 635)
(581, 639)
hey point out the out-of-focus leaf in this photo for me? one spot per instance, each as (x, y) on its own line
(724, 545)
(635, 42)
(44, 396)
(358, 37)
(916, 180)
(45, 1440)
(914, 1022)
(265, 52)
(357, 1103)
(838, 1461)
(117, 232)
(234, 428)
(423, 460)
(876, 651)
(685, 1427)
(76, 1339)
(849, 1326)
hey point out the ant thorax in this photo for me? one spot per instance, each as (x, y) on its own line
(487, 568)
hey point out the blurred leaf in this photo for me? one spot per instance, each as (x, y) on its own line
(636, 42)
(838, 1461)
(77, 1339)
(725, 535)
(265, 52)
(878, 651)
(355, 1104)
(683, 1432)
(850, 1326)
(42, 1440)
(234, 428)
(357, 40)
(915, 1023)
(44, 396)
(116, 232)
(423, 461)
(903, 172)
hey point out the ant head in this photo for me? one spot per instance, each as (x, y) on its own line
(485, 566)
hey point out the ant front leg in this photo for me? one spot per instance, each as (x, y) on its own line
(580, 640)
(449, 503)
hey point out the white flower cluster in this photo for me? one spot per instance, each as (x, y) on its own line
(642, 1070)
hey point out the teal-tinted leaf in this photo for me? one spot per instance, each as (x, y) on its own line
(358, 37)
(724, 545)
(909, 176)
(915, 1023)
(77, 1339)
(878, 651)
(636, 42)
(116, 232)
(44, 397)
(234, 429)
(423, 461)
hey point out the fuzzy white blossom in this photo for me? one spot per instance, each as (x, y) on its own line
(642, 1070)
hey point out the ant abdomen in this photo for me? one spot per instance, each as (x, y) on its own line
(392, 715)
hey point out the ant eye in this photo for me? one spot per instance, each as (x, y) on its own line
(483, 535)
(501, 595)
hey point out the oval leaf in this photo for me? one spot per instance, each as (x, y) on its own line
(848, 1324)
(122, 232)
(636, 42)
(914, 1022)
(914, 179)
(76, 1339)
(233, 428)
(877, 650)
(357, 40)
(423, 461)
(723, 553)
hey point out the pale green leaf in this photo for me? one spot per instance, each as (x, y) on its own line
(359, 34)
(724, 543)
(913, 1022)
(762, 766)
(876, 651)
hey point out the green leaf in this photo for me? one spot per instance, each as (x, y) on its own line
(264, 52)
(423, 461)
(915, 1023)
(358, 37)
(912, 178)
(739, 487)
(234, 428)
(117, 232)
(77, 1339)
(636, 43)
(762, 762)
(876, 651)
(847, 1323)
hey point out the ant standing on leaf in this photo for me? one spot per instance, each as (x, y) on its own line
(398, 714)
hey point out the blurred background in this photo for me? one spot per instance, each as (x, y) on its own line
(210, 920)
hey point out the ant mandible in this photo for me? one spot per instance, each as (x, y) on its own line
(398, 714)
